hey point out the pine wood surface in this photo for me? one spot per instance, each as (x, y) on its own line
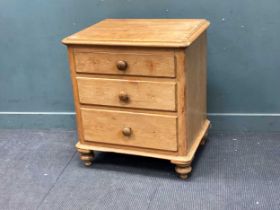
(141, 32)
(141, 95)
(106, 126)
(148, 63)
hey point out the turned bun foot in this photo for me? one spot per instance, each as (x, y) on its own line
(86, 156)
(182, 169)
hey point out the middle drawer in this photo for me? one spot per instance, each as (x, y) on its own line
(127, 93)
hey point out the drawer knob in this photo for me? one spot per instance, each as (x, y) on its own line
(127, 131)
(122, 65)
(124, 97)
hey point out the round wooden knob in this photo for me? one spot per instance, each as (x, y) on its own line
(122, 65)
(127, 131)
(124, 97)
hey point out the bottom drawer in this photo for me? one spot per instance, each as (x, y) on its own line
(130, 129)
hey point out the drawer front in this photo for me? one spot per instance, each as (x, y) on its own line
(130, 129)
(127, 93)
(122, 63)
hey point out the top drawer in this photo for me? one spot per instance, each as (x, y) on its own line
(153, 63)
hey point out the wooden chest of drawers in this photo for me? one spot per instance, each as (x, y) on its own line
(140, 88)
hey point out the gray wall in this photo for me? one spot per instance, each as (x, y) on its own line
(243, 56)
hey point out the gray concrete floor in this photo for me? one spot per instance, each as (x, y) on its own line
(40, 169)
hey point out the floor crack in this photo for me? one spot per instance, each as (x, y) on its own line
(153, 196)
(56, 180)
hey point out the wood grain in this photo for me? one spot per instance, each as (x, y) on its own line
(75, 94)
(154, 102)
(146, 64)
(141, 32)
(148, 130)
(161, 154)
(142, 94)
(181, 95)
(196, 88)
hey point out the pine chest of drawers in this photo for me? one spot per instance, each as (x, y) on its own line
(140, 88)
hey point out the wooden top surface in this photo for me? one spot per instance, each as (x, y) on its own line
(141, 32)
